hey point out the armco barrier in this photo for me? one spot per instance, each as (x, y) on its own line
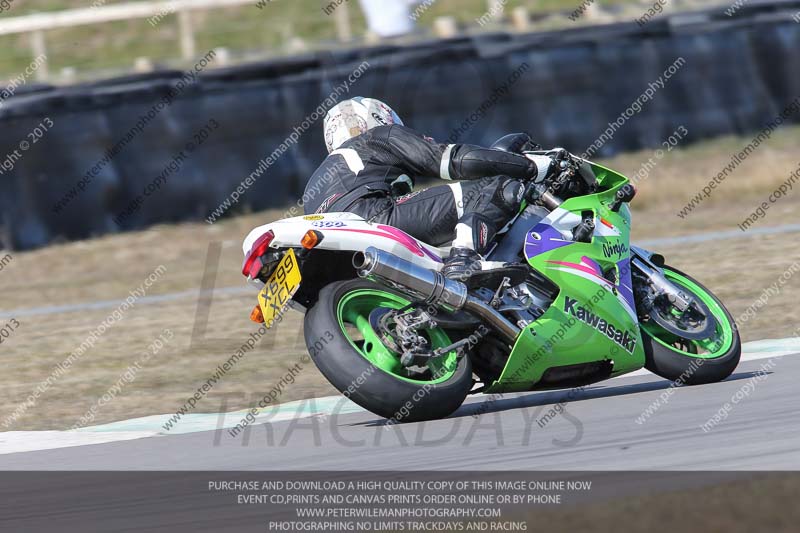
(738, 72)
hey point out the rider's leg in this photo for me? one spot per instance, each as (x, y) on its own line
(468, 213)
(488, 204)
(428, 215)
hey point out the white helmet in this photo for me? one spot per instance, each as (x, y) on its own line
(353, 117)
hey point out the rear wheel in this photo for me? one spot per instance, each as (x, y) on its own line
(340, 333)
(707, 352)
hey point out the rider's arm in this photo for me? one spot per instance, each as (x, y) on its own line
(420, 156)
(468, 162)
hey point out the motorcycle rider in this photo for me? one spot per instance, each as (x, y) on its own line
(372, 164)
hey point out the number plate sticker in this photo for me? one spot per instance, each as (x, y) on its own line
(280, 288)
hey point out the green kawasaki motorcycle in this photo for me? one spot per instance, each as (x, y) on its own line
(564, 300)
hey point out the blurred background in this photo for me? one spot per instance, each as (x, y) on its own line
(83, 42)
(128, 128)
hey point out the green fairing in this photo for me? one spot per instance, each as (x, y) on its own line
(559, 338)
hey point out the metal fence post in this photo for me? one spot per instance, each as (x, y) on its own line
(39, 49)
(496, 8)
(186, 34)
(342, 17)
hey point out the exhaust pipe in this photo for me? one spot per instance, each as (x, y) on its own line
(429, 285)
(414, 280)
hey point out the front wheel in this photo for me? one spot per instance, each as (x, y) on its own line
(341, 336)
(691, 360)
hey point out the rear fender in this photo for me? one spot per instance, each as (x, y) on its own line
(347, 232)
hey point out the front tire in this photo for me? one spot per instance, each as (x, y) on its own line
(350, 354)
(693, 362)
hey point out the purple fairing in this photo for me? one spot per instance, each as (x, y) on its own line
(625, 284)
(550, 240)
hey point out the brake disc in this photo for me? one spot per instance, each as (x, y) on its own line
(685, 326)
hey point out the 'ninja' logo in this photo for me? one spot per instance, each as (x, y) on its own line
(617, 249)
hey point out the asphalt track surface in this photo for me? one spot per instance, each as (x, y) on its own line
(597, 431)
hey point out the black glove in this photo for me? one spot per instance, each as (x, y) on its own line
(516, 143)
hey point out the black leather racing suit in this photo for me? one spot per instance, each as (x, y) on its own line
(372, 175)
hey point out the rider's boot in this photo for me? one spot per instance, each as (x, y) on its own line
(465, 265)
(462, 263)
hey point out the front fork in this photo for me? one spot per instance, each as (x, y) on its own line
(649, 265)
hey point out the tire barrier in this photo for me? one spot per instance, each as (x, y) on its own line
(604, 89)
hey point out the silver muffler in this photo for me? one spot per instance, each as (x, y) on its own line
(430, 286)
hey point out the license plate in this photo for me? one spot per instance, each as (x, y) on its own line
(280, 288)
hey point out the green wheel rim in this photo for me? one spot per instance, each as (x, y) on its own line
(715, 346)
(354, 310)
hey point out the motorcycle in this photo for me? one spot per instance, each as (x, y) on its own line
(563, 300)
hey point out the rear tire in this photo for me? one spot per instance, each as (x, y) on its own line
(373, 388)
(675, 365)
